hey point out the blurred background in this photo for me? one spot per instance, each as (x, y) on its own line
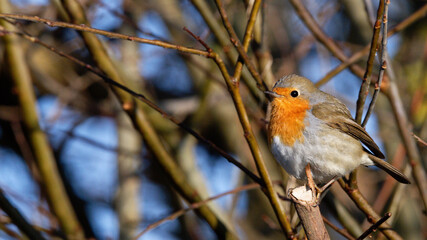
(114, 182)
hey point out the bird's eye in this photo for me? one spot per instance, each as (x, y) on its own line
(294, 93)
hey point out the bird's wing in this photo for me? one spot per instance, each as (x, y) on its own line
(337, 115)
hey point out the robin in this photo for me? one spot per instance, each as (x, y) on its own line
(308, 126)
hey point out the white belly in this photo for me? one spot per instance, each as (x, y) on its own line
(329, 152)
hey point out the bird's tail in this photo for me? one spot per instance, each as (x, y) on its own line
(387, 167)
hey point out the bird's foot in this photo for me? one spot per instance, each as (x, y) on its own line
(314, 188)
(323, 189)
(310, 180)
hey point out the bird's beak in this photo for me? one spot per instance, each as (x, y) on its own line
(272, 94)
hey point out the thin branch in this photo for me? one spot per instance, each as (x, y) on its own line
(173, 172)
(224, 40)
(193, 206)
(382, 62)
(374, 226)
(366, 80)
(320, 36)
(253, 145)
(199, 39)
(20, 73)
(364, 89)
(343, 232)
(364, 206)
(142, 98)
(424, 143)
(233, 89)
(242, 48)
(420, 13)
(405, 131)
(84, 28)
(18, 219)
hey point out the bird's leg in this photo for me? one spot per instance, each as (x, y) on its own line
(310, 181)
(327, 185)
(324, 188)
(314, 188)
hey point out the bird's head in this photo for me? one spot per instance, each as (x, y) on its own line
(293, 90)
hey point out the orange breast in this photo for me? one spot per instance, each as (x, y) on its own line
(287, 119)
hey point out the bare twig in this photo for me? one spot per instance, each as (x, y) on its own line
(343, 232)
(224, 40)
(374, 226)
(405, 130)
(134, 110)
(364, 89)
(20, 73)
(364, 206)
(18, 219)
(420, 13)
(193, 206)
(382, 62)
(318, 33)
(243, 48)
(233, 89)
(142, 98)
(424, 143)
(85, 28)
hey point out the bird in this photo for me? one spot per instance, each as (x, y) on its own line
(309, 126)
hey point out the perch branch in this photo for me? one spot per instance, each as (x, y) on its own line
(306, 204)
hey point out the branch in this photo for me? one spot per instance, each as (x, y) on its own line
(405, 130)
(364, 89)
(374, 226)
(138, 117)
(420, 13)
(243, 48)
(224, 41)
(143, 99)
(364, 206)
(320, 36)
(233, 88)
(343, 232)
(18, 219)
(20, 73)
(194, 206)
(308, 211)
(85, 28)
(382, 67)
(424, 143)
(253, 145)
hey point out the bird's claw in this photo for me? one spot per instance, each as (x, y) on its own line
(314, 188)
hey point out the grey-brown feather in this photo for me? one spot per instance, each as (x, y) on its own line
(390, 169)
(337, 116)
